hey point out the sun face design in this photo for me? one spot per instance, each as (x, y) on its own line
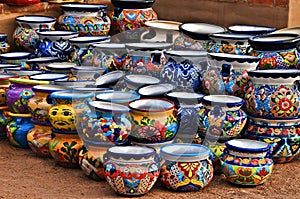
(62, 118)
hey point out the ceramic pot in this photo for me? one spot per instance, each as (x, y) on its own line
(110, 56)
(55, 44)
(183, 69)
(4, 120)
(91, 159)
(4, 86)
(161, 31)
(250, 29)
(87, 20)
(146, 58)
(234, 71)
(40, 104)
(283, 135)
(83, 48)
(273, 94)
(68, 109)
(186, 167)
(247, 162)
(19, 58)
(130, 16)
(19, 93)
(118, 97)
(195, 36)
(230, 43)
(18, 128)
(38, 140)
(64, 147)
(276, 51)
(221, 116)
(39, 63)
(25, 35)
(187, 104)
(4, 45)
(113, 121)
(153, 121)
(131, 170)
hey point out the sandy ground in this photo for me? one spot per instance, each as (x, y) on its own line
(23, 175)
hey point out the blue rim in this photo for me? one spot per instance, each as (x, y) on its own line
(253, 150)
(25, 56)
(228, 104)
(3, 36)
(139, 83)
(64, 33)
(265, 29)
(232, 58)
(50, 19)
(207, 152)
(124, 155)
(135, 96)
(275, 74)
(99, 38)
(44, 60)
(49, 90)
(61, 76)
(83, 7)
(87, 142)
(133, 4)
(72, 94)
(230, 36)
(123, 109)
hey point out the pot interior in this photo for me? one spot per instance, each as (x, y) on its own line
(151, 105)
(131, 150)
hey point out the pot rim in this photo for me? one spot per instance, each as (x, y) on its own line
(251, 29)
(135, 151)
(55, 33)
(186, 53)
(115, 46)
(229, 36)
(104, 106)
(144, 46)
(247, 145)
(47, 88)
(141, 80)
(275, 73)
(128, 96)
(131, 105)
(42, 60)
(71, 94)
(109, 78)
(47, 19)
(22, 115)
(5, 77)
(48, 76)
(152, 90)
(27, 81)
(231, 57)
(160, 24)
(209, 99)
(15, 55)
(83, 7)
(88, 39)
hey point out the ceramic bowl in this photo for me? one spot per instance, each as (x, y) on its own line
(51, 77)
(14, 57)
(117, 97)
(56, 35)
(157, 90)
(247, 162)
(60, 67)
(175, 157)
(251, 29)
(109, 79)
(36, 22)
(134, 82)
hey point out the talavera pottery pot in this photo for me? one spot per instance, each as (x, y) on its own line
(83, 48)
(131, 170)
(233, 70)
(55, 44)
(183, 69)
(113, 121)
(91, 159)
(221, 116)
(18, 128)
(4, 45)
(87, 20)
(195, 36)
(110, 56)
(40, 63)
(4, 120)
(250, 29)
(119, 97)
(186, 167)
(4, 86)
(25, 35)
(230, 43)
(130, 16)
(68, 108)
(273, 94)
(134, 82)
(19, 93)
(15, 57)
(161, 31)
(187, 104)
(281, 134)
(276, 51)
(153, 121)
(247, 162)
(146, 58)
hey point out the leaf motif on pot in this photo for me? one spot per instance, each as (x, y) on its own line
(290, 57)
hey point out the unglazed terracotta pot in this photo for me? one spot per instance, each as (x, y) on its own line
(221, 116)
(18, 128)
(153, 120)
(4, 45)
(4, 120)
(131, 170)
(247, 162)
(283, 135)
(186, 167)
(86, 19)
(19, 93)
(64, 147)
(25, 35)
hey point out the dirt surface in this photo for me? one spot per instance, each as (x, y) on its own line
(23, 175)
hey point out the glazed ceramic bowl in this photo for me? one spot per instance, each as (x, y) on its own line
(247, 162)
(153, 120)
(156, 90)
(51, 77)
(60, 67)
(15, 57)
(250, 29)
(109, 79)
(175, 157)
(74, 83)
(87, 72)
(88, 41)
(40, 63)
(141, 173)
(134, 82)
(36, 22)
(119, 97)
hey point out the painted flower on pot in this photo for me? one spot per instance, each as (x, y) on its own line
(267, 63)
(212, 82)
(290, 57)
